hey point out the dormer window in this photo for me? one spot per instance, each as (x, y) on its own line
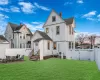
(53, 18)
(47, 30)
(57, 30)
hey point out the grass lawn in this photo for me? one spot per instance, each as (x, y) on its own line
(51, 69)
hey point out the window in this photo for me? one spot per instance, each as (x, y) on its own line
(53, 18)
(13, 35)
(72, 45)
(20, 37)
(20, 45)
(47, 30)
(48, 45)
(57, 30)
(28, 45)
(70, 29)
(69, 45)
(24, 37)
(54, 45)
(23, 45)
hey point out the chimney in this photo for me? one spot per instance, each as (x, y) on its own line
(60, 14)
(21, 24)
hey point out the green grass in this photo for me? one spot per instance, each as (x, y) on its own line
(51, 69)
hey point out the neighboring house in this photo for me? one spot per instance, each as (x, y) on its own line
(97, 42)
(19, 36)
(4, 44)
(60, 33)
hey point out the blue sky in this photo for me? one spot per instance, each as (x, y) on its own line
(34, 13)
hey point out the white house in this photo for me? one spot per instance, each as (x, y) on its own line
(4, 44)
(97, 42)
(58, 36)
(19, 36)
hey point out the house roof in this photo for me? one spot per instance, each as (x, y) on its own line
(44, 35)
(13, 26)
(37, 40)
(3, 39)
(29, 31)
(16, 27)
(69, 20)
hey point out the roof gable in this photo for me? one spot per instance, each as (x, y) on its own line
(25, 30)
(49, 19)
(43, 35)
(59, 19)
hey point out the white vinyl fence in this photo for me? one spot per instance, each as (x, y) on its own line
(97, 58)
(82, 54)
(14, 52)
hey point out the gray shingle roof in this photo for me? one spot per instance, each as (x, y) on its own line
(29, 31)
(16, 27)
(13, 26)
(37, 40)
(44, 35)
(3, 39)
(69, 20)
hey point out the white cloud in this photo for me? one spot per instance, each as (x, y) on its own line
(4, 9)
(27, 7)
(15, 9)
(98, 16)
(34, 27)
(41, 7)
(90, 14)
(80, 1)
(2, 16)
(4, 2)
(3, 23)
(67, 3)
(35, 23)
(92, 19)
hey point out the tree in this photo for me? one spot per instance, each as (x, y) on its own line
(91, 38)
(81, 38)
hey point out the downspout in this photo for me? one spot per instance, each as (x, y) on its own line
(43, 48)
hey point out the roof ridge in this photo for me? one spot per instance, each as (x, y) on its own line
(12, 23)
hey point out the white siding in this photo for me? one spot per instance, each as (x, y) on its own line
(35, 36)
(3, 48)
(49, 20)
